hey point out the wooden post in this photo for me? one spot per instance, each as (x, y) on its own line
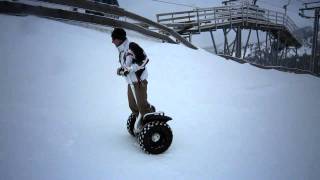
(215, 19)
(256, 17)
(242, 15)
(268, 17)
(283, 20)
(230, 17)
(198, 19)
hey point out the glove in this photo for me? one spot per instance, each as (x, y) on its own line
(118, 71)
(122, 71)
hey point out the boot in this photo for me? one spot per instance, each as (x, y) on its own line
(152, 108)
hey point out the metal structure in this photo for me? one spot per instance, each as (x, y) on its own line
(234, 17)
(308, 8)
(111, 2)
(92, 12)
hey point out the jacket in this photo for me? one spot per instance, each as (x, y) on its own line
(134, 59)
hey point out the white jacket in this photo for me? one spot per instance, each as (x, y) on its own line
(125, 58)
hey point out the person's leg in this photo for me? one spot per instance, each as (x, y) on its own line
(132, 102)
(142, 98)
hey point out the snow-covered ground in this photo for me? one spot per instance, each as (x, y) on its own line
(63, 111)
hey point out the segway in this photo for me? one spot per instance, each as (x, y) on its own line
(152, 131)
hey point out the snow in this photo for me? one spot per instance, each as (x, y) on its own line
(63, 111)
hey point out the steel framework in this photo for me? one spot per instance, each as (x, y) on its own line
(313, 6)
(234, 18)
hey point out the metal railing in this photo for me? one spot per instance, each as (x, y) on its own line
(215, 17)
(91, 12)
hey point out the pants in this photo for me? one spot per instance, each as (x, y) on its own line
(142, 105)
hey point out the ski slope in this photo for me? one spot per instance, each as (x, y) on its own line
(63, 111)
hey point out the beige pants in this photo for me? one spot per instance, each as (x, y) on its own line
(142, 105)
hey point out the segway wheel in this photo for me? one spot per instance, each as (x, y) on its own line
(155, 137)
(130, 124)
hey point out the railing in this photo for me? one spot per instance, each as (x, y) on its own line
(214, 17)
(65, 9)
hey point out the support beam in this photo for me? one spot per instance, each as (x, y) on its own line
(259, 45)
(315, 65)
(246, 46)
(233, 44)
(226, 50)
(283, 53)
(266, 53)
(272, 47)
(238, 43)
(213, 42)
(286, 53)
(277, 48)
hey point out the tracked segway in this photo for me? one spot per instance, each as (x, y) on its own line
(152, 131)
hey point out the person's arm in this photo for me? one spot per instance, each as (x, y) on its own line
(131, 65)
(125, 68)
(128, 62)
